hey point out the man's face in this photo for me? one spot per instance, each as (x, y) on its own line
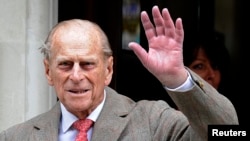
(78, 71)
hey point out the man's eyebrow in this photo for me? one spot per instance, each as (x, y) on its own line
(86, 58)
(61, 58)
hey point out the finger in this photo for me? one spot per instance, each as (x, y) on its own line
(158, 20)
(168, 23)
(147, 25)
(179, 37)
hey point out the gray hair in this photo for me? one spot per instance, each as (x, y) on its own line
(45, 48)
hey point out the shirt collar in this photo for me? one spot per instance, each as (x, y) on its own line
(68, 118)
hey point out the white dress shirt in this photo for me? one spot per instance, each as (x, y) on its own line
(66, 132)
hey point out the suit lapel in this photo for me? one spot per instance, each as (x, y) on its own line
(112, 120)
(47, 127)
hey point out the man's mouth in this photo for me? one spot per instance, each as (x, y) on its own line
(78, 91)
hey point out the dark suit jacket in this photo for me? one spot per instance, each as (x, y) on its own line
(122, 119)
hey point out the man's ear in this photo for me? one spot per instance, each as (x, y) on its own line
(47, 71)
(109, 71)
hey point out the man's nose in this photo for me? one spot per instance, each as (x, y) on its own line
(76, 74)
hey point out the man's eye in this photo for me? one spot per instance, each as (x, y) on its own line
(65, 64)
(87, 65)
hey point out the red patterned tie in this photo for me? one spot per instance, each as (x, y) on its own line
(82, 125)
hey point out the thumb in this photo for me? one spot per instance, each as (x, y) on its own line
(139, 51)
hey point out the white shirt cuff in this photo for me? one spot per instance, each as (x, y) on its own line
(187, 85)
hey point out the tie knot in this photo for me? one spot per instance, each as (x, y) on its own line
(83, 125)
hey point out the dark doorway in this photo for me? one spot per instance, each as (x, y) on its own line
(130, 77)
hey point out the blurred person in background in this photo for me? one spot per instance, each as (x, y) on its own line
(208, 56)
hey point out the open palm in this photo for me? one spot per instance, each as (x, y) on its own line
(164, 58)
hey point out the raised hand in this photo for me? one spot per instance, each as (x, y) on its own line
(164, 58)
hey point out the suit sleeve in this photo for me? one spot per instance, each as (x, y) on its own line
(203, 105)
